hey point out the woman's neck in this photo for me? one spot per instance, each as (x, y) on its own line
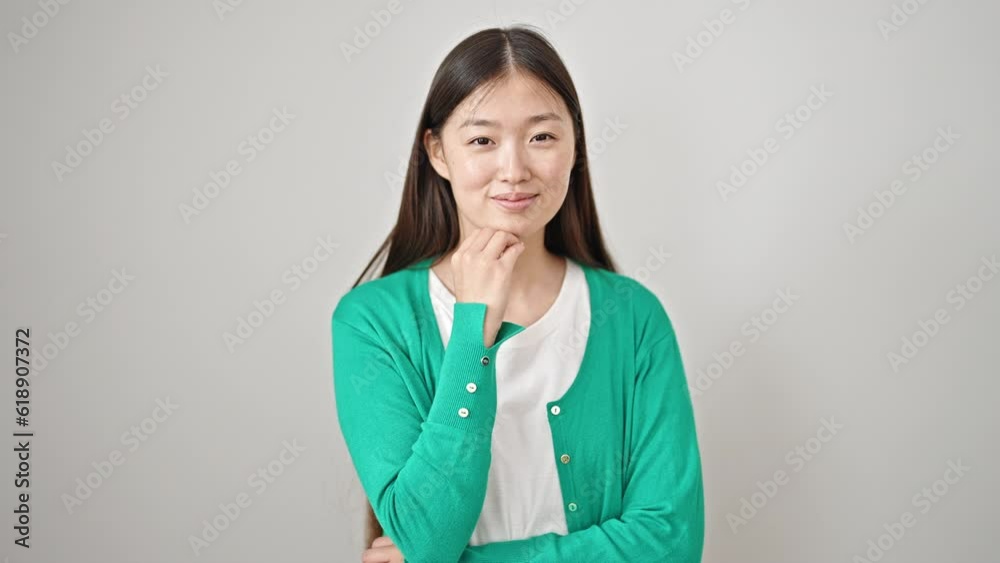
(535, 271)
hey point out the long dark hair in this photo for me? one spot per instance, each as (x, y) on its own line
(427, 224)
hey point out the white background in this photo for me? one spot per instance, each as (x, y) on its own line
(329, 174)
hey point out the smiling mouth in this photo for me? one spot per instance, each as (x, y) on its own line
(519, 204)
(514, 197)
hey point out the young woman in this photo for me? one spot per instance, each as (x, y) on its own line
(503, 392)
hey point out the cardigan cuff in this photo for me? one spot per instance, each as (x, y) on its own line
(466, 394)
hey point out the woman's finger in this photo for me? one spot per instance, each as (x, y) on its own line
(499, 243)
(377, 555)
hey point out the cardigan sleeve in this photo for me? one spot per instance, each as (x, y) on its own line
(662, 516)
(425, 479)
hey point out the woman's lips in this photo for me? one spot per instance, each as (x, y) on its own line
(516, 205)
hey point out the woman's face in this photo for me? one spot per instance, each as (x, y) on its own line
(517, 140)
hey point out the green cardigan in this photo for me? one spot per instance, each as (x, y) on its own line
(419, 438)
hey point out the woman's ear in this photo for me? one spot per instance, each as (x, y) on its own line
(435, 152)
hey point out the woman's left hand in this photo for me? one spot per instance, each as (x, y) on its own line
(382, 551)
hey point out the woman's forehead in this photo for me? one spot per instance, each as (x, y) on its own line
(513, 101)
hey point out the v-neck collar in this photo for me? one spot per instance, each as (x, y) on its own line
(509, 329)
(544, 325)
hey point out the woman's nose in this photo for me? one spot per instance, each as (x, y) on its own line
(513, 166)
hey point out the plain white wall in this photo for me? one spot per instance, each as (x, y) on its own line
(327, 179)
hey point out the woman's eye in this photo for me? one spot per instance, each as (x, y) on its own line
(484, 141)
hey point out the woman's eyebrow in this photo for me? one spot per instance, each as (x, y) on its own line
(549, 116)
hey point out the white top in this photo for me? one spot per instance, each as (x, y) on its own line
(533, 367)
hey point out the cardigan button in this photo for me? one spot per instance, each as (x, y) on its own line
(471, 388)
(463, 412)
(564, 458)
(555, 409)
(486, 360)
(572, 507)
